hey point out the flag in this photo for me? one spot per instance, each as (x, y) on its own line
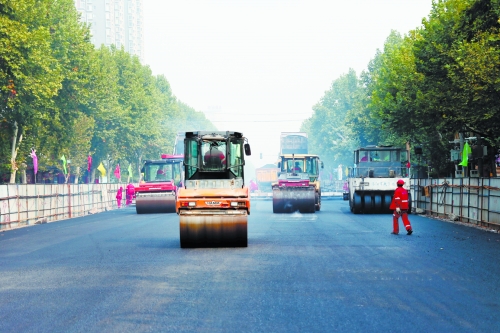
(465, 155)
(117, 171)
(35, 160)
(89, 163)
(102, 170)
(63, 159)
(129, 170)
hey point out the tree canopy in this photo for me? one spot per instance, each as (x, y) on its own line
(62, 96)
(422, 89)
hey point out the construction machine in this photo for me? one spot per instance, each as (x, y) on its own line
(373, 178)
(214, 203)
(157, 190)
(179, 144)
(298, 187)
(266, 176)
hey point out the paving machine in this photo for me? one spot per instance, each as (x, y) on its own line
(157, 190)
(298, 187)
(179, 144)
(373, 178)
(214, 203)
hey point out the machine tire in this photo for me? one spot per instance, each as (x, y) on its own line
(277, 207)
(213, 230)
(387, 203)
(368, 208)
(357, 203)
(377, 203)
(409, 203)
(318, 202)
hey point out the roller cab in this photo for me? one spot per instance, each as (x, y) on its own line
(214, 203)
(156, 193)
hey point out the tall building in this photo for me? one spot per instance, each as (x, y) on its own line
(118, 22)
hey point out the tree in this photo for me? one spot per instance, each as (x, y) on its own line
(29, 72)
(328, 133)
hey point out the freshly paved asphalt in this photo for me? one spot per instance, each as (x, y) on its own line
(332, 271)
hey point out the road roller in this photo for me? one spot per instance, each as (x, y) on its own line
(157, 190)
(214, 203)
(373, 178)
(298, 187)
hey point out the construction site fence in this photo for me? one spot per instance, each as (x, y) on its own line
(26, 204)
(472, 200)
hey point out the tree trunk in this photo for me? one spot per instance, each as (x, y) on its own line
(139, 163)
(13, 155)
(77, 174)
(23, 173)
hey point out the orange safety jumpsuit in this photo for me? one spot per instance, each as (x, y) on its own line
(400, 200)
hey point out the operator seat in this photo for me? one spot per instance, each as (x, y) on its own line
(213, 163)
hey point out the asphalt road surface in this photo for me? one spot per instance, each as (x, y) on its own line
(331, 271)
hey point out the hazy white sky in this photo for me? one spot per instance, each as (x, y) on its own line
(259, 66)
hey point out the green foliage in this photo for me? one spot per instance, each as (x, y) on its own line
(68, 98)
(423, 87)
(329, 136)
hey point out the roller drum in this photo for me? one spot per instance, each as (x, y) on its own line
(225, 228)
(292, 199)
(151, 203)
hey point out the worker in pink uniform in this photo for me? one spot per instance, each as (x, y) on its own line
(119, 196)
(130, 191)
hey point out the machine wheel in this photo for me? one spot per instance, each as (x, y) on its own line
(409, 203)
(213, 230)
(368, 209)
(377, 203)
(387, 203)
(153, 204)
(276, 207)
(357, 203)
(318, 202)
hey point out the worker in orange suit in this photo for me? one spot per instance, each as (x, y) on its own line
(400, 206)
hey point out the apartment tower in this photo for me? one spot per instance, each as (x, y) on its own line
(118, 22)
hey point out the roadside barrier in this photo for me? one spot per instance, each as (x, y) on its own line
(470, 200)
(27, 204)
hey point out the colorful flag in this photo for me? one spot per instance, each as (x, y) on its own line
(63, 159)
(465, 155)
(102, 170)
(117, 171)
(35, 160)
(89, 163)
(129, 170)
